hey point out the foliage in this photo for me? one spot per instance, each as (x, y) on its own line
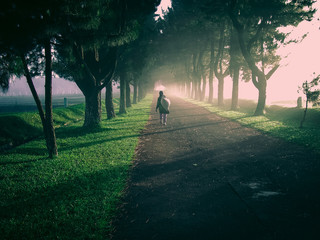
(312, 95)
(308, 90)
(74, 196)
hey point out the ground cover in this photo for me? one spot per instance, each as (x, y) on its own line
(20, 127)
(278, 121)
(75, 195)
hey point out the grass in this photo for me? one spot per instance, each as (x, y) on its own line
(278, 121)
(21, 127)
(75, 195)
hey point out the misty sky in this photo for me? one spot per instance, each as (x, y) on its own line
(59, 86)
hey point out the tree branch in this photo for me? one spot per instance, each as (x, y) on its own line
(107, 78)
(257, 35)
(246, 54)
(255, 82)
(272, 71)
(79, 57)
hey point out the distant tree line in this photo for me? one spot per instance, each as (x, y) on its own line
(212, 39)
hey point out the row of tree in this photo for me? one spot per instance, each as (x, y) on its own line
(209, 39)
(96, 42)
(88, 42)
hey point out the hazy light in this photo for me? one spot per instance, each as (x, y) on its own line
(159, 87)
(164, 5)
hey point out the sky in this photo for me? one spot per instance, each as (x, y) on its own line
(164, 5)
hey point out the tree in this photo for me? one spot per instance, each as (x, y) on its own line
(312, 95)
(235, 64)
(88, 54)
(220, 68)
(85, 51)
(122, 107)
(256, 19)
(109, 101)
(183, 44)
(27, 29)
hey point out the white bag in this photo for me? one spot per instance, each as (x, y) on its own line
(165, 102)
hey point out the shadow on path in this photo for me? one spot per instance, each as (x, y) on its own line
(206, 177)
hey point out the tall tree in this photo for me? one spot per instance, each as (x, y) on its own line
(27, 29)
(256, 19)
(107, 24)
(211, 73)
(123, 79)
(128, 93)
(235, 66)
(220, 68)
(109, 101)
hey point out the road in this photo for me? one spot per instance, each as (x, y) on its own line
(206, 177)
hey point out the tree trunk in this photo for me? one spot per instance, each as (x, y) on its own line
(109, 101)
(135, 92)
(262, 96)
(181, 89)
(128, 94)
(262, 78)
(204, 87)
(198, 87)
(210, 100)
(50, 136)
(188, 88)
(304, 114)
(122, 108)
(220, 91)
(210, 97)
(140, 91)
(35, 97)
(192, 91)
(235, 89)
(34, 93)
(196, 94)
(93, 109)
(218, 65)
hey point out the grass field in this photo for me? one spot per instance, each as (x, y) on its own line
(18, 128)
(75, 195)
(278, 121)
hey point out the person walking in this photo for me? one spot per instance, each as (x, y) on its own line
(163, 104)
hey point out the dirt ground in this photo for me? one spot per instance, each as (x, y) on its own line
(206, 177)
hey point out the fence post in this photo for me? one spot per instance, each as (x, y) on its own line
(299, 102)
(65, 102)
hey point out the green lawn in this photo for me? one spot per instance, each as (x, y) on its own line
(278, 121)
(20, 127)
(75, 195)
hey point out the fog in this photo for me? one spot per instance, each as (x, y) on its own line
(60, 86)
(19, 87)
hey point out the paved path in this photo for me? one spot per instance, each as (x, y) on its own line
(206, 177)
